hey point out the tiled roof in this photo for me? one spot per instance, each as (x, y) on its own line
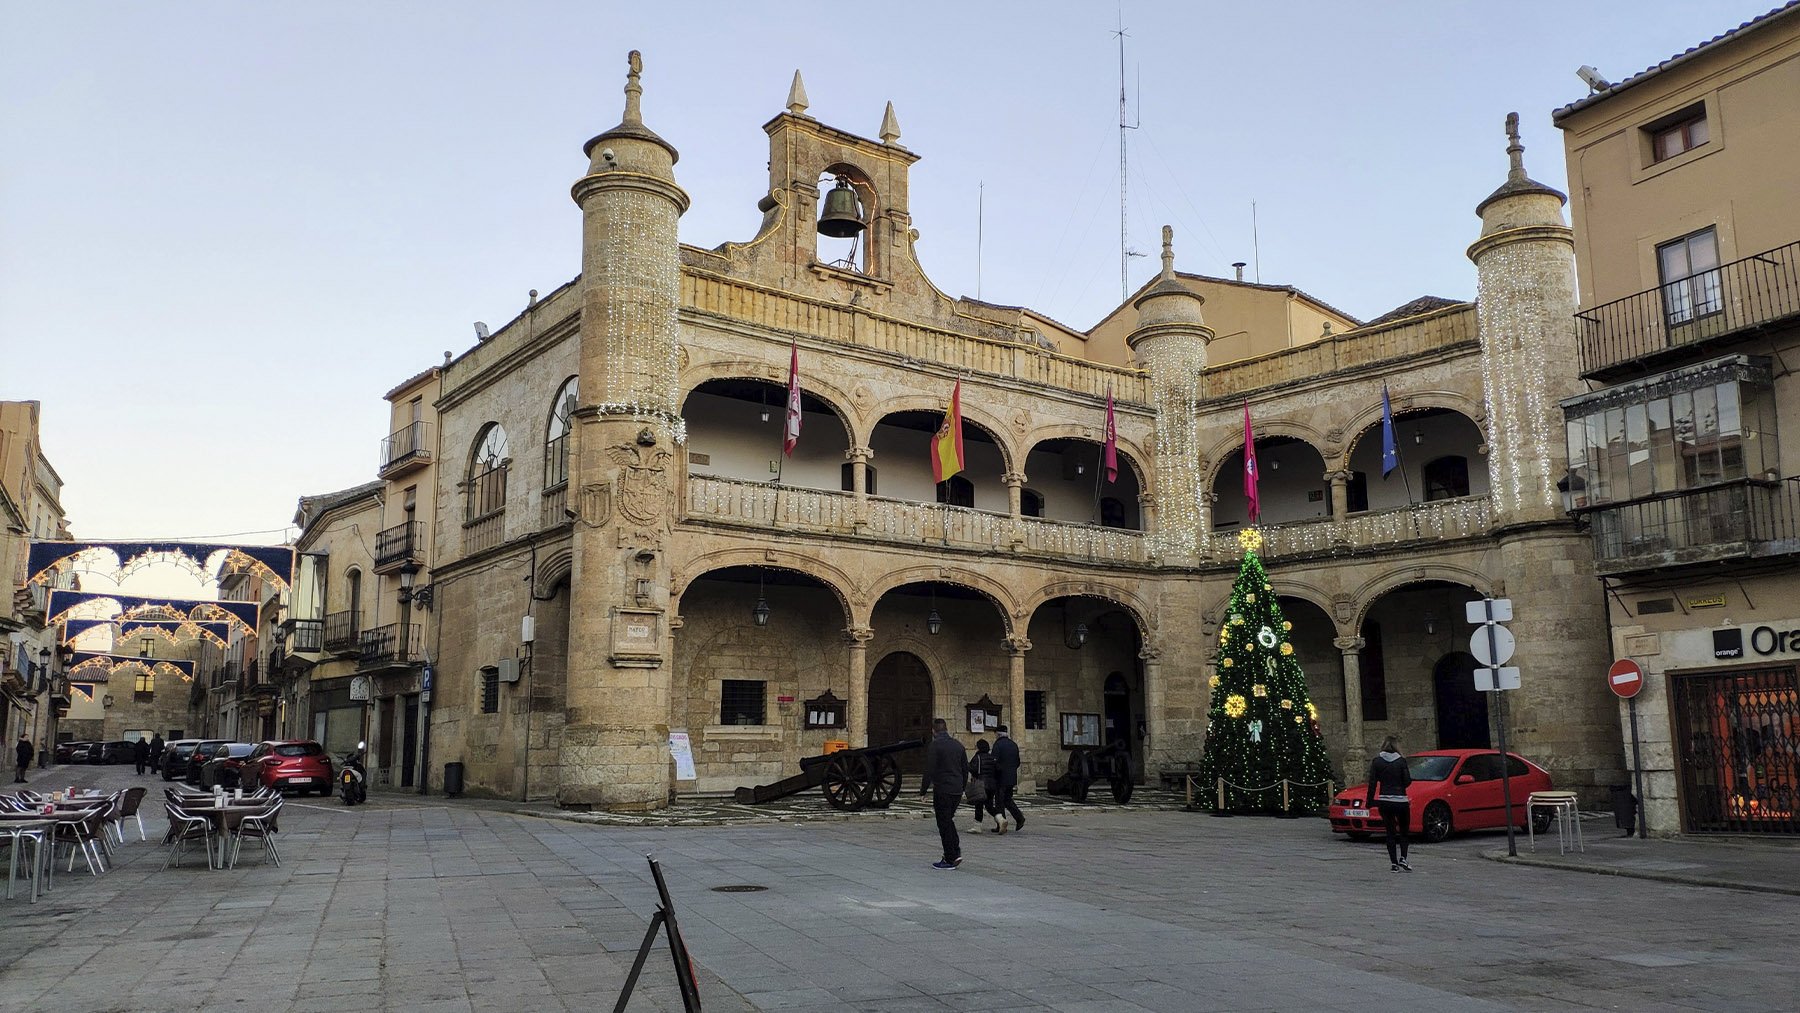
(1639, 78)
(1423, 304)
(311, 507)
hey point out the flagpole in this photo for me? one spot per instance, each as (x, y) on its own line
(1099, 476)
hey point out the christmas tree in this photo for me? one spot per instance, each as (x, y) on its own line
(1262, 737)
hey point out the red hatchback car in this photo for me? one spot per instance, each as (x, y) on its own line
(1452, 790)
(293, 765)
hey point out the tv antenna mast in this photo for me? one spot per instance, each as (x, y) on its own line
(1125, 253)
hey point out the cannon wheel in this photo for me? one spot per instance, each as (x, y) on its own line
(846, 782)
(1080, 773)
(1119, 774)
(884, 785)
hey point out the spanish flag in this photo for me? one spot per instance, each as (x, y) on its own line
(947, 447)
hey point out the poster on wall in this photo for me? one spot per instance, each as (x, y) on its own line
(683, 752)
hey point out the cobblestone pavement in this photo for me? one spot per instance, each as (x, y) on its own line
(406, 906)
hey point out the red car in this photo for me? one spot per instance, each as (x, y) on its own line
(293, 765)
(1452, 790)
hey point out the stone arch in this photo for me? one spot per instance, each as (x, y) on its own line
(835, 580)
(1130, 452)
(994, 591)
(988, 423)
(829, 394)
(1215, 456)
(868, 197)
(921, 648)
(1134, 606)
(1368, 419)
(1312, 594)
(1365, 596)
(555, 569)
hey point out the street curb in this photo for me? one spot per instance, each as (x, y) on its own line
(1661, 877)
(605, 820)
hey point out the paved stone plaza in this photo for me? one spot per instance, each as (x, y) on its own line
(420, 904)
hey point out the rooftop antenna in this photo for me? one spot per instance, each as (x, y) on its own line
(1255, 244)
(1124, 125)
(980, 208)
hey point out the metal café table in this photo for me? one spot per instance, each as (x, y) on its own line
(225, 819)
(20, 825)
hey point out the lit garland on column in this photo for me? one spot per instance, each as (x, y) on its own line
(1174, 365)
(1263, 731)
(1525, 422)
(640, 326)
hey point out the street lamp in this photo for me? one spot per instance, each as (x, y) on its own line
(759, 613)
(934, 623)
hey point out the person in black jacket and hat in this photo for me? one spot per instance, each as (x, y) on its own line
(140, 754)
(946, 770)
(23, 753)
(1389, 777)
(1006, 755)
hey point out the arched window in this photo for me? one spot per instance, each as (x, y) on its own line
(353, 580)
(1031, 503)
(1446, 478)
(556, 443)
(487, 473)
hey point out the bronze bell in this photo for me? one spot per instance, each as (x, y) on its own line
(840, 220)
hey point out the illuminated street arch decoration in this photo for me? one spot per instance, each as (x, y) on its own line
(100, 667)
(118, 559)
(63, 603)
(174, 630)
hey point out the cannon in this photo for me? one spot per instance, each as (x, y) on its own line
(851, 779)
(1111, 764)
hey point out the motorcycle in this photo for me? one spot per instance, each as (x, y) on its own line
(353, 782)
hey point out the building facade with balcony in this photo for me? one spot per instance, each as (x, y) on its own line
(33, 694)
(321, 691)
(1688, 247)
(623, 549)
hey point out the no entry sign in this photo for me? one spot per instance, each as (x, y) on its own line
(1625, 678)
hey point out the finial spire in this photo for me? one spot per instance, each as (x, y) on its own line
(634, 116)
(797, 101)
(890, 126)
(1514, 150)
(1168, 254)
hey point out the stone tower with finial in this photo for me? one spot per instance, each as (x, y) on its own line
(1525, 260)
(627, 435)
(1170, 344)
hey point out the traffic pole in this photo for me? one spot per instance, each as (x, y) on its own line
(1637, 768)
(1512, 843)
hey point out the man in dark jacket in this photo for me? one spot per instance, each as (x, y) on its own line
(156, 748)
(946, 770)
(140, 753)
(23, 752)
(1006, 755)
(1389, 777)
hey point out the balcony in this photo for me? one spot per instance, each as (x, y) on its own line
(406, 449)
(392, 646)
(400, 547)
(306, 637)
(1673, 320)
(1743, 520)
(226, 675)
(1463, 517)
(342, 632)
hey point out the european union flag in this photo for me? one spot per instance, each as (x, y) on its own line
(1390, 451)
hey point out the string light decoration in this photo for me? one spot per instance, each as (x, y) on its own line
(1174, 365)
(1263, 739)
(1525, 422)
(638, 324)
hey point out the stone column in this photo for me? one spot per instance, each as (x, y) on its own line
(1155, 750)
(1355, 753)
(1340, 493)
(857, 638)
(859, 470)
(1015, 485)
(1016, 647)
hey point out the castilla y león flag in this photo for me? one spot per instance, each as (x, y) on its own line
(947, 446)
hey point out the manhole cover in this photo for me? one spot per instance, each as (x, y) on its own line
(739, 888)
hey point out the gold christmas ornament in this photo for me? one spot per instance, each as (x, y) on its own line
(1251, 539)
(1260, 690)
(1225, 663)
(1234, 706)
(1287, 705)
(1287, 648)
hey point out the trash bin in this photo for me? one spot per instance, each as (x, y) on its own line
(453, 779)
(1624, 806)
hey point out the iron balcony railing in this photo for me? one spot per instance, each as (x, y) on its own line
(342, 632)
(393, 644)
(1757, 291)
(400, 544)
(1746, 519)
(410, 444)
(307, 636)
(225, 674)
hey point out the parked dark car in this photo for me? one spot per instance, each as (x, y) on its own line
(118, 752)
(223, 767)
(202, 753)
(65, 751)
(294, 765)
(175, 757)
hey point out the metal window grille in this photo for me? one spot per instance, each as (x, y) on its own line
(742, 702)
(1737, 735)
(1037, 716)
(490, 690)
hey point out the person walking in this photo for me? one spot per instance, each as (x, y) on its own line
(983, 768)
(946, 768)
(140, 752)
(24, 753)
(1006, 761)
(156, 751)
(1389, 777)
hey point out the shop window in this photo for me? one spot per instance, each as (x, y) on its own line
(1037, 711)
(742, 702)
(1446, 478)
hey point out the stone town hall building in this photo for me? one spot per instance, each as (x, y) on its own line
(604, 464)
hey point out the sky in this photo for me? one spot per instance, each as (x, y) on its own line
(226, 229)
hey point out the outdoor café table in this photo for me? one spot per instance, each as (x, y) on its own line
(17, 826)
(225, 819)
(77, 816)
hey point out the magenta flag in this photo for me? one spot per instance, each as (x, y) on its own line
(1109, 456)
(1250, 474)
